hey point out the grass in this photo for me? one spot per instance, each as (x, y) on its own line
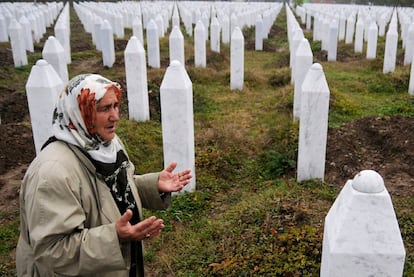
(248, 215)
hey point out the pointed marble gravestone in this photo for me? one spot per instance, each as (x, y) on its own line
(62, 34)
(350, 29)
(18, 44)
(342, 27)
(237, 60)
(108, 48)
(176, 97)
(333, 41)
(225, 30)
(136, 79)
(409, 46)
(297, 38)
(359, 36)
(160, 25)
(37, 34)
(176, 45)
(234, 22)
(303, 60)
(317, 29)
(153, 45)
(313, 127)
(215, 35)
(372, 41)
(199, 45)
(361, 233)
(54, 54)
(175, 17)
(97, 26)
(206, 21)
(137, 29)
(382, 23)
(42, 88)
(326, 23)
(27, 33)
(390, 54)
(118, 26)
(259, 34)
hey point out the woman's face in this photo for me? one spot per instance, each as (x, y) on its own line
(107, 114)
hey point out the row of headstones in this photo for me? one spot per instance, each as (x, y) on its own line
(136, 75)
(128, 13)
(177, 111)
(361, 232)
(139, 109)
(104, 36)
(102, 33)
(310, 107)
(24, 24)
(315, 100)
(135, 65)
(176, 97)
(310, 165)
(361, 24)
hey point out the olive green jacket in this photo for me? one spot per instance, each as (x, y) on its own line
(68, 216)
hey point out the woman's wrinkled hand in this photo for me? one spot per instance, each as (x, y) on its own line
(145, 229)
(173, 182)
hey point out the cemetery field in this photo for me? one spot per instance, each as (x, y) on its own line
(248, 215)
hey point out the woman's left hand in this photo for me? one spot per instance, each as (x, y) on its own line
(173, 182)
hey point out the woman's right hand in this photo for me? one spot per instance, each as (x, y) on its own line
(145, 229)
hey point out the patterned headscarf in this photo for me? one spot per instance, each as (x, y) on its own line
(75, 112)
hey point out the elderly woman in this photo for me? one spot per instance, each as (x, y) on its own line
(80, 202)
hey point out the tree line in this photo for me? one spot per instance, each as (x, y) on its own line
(390, 3)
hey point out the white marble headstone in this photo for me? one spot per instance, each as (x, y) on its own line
(313, 127)
(361, 233)
(153, 45)
(237, 60)
(108, 48)
(136, 80)
(303, 60)
(42, 88)
(372, 41)
(391, 47)
(333, 41)
(359, 36)
(199, 45)
(176, 45)
(54, 54)
(17, 42)
(176, 97)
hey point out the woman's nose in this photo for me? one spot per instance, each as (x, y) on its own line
(114, 116)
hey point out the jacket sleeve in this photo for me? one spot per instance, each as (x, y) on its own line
(56, 226)
(147, 186)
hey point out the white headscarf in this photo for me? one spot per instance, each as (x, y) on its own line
(74, 116)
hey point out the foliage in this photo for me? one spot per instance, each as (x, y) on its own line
(390, 3)
(9, 234)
